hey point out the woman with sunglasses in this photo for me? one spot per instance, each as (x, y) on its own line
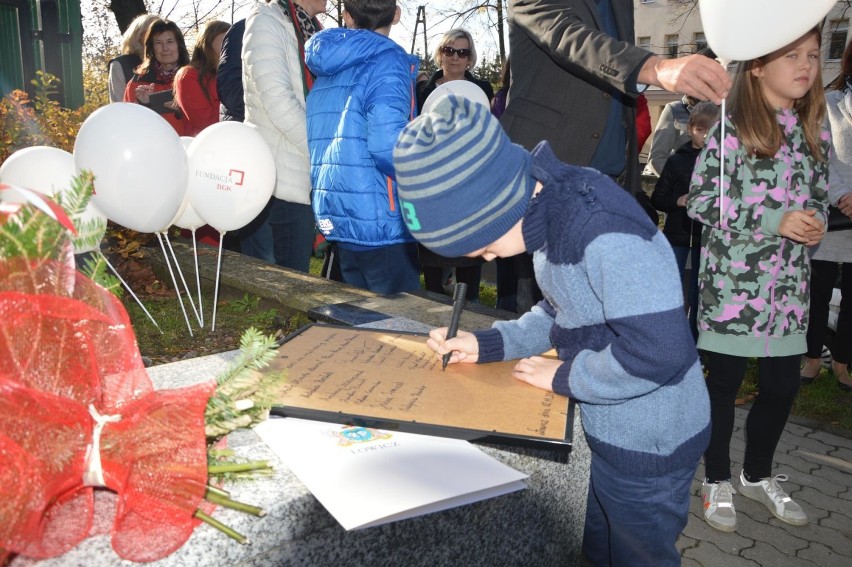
(456, 56)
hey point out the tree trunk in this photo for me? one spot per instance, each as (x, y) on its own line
(126, 10)
(501, 21)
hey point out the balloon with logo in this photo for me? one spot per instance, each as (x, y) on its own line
(460, 87)
(231, 175)
(51, 171)
(139, 164)
(740, 30)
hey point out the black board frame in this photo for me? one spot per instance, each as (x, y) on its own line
(554, 449)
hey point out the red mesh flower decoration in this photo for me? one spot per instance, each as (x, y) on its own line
(77, 410)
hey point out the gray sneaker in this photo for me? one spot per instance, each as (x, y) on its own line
(773, 497)
(718, 499)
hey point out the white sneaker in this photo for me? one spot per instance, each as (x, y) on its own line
(718, 501)
(773, 497)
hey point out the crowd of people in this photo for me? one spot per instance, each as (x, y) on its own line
(546, 180)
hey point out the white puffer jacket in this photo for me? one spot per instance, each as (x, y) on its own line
(275, 98)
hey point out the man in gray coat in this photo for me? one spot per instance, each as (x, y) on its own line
(576, 74)
(671, 132)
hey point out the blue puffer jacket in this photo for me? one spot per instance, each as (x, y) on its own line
(362, 98)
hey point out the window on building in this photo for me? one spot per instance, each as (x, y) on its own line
(671, 46)
(644, 43)
(838, 30)
(700, 42)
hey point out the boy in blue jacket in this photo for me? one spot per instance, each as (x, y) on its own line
(362, 98)
(612, 309)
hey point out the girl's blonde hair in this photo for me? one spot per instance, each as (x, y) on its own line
(755, 120)
(134, 36)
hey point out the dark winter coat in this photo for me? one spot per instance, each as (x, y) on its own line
(673, 183)
(424, 89)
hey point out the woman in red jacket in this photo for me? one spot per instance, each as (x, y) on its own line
(165, 53)
(195, 84)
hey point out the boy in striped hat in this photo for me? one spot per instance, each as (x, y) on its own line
(612, 308)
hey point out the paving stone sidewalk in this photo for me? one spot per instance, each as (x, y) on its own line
(819, 467)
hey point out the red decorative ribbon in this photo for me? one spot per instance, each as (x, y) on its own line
(71, 373)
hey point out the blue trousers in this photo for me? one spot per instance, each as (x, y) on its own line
(283, 234)
(385, 270)
(635, 520)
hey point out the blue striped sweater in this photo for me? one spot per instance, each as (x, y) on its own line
(613, 310)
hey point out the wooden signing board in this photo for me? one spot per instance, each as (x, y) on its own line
(392, 380)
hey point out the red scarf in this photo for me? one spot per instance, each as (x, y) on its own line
(165, 76)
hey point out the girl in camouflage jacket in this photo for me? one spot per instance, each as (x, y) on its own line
(753, 278)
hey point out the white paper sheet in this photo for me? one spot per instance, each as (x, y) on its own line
(367, 477)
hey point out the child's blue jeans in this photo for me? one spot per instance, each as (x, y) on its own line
(385, 270)
(635, 520)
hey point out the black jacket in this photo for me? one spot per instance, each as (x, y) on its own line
(229, 75)
(673, 183)
(424, 89)
(128, 62)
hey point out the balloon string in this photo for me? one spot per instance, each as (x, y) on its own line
(722, 167)
(197, 279)
(180, 273)
(127, 287)
(174, 283)
(216, 287)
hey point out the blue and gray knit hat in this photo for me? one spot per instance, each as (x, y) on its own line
(462, 183)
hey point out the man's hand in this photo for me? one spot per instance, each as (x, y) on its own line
(537, 371)
(845, 204)
(695, 75)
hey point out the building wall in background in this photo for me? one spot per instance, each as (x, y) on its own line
(42, 35)
(667, 28)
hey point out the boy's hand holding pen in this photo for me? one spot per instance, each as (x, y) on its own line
(445, 340)
(462, 348)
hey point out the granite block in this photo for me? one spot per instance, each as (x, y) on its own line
(542, 525)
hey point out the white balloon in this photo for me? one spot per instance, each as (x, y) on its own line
(461, 87)
(139, 164)
(740, 30)
(189, 219)
(231, 175)
(41, 168)
(185, 142)
(50, 171)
